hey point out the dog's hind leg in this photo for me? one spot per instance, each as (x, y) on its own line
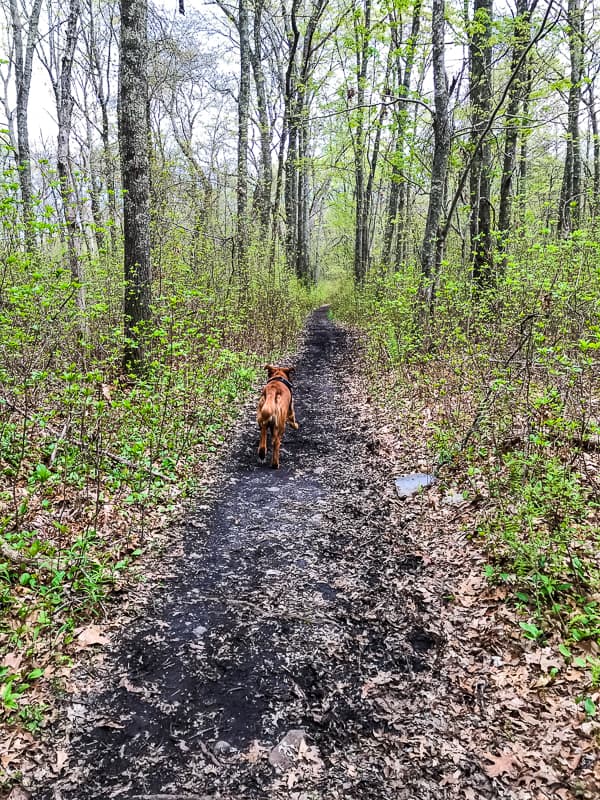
(262, 446)
(276, 445)
(292, 417)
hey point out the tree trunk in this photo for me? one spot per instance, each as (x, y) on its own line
(431, 254)
(595, 198)
(569, 211)
(135, 168)
(523, 149)
(23, 70)
(65, 104)
(291, 161)
(362, 33)
(397, 196)
(297, 101)
(521, 36)
(243, 232)
(266, 169)
(481, 167)
(101, 90)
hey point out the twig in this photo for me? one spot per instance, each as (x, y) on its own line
(525, 336)
(57, 445)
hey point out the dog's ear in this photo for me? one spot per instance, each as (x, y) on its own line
(270, 368)
(289, 371)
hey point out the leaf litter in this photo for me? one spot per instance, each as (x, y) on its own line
(316, 616)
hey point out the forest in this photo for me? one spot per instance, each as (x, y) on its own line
(181, 184)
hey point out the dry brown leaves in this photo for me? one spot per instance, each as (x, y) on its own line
(524, 724)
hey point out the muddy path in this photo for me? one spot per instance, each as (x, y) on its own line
(290, 610)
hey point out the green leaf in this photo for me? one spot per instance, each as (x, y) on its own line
(42, 473)
(564, 651)
(531, 631)
(589, 707)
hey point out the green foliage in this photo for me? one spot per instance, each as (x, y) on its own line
(94, 462)
(508, 376)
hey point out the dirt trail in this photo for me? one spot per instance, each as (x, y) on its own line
(286, 612)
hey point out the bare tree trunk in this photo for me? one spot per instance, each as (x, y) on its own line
(431, 251)
(569, 210)
(243, 233)
(291, 162)
(135, 167)
(521, 37)
(95, 183)
(65, 104)
(297, 100)
(362, 33)
(480, 178)
(397, 196)
(23, 68)
(523, 150)
(595, 199)
(266, 170)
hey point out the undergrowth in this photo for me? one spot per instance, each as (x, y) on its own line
(94, 463)
(510, 378)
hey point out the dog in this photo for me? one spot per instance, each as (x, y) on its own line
(275, 408)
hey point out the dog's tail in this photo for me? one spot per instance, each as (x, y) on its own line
(271, 413)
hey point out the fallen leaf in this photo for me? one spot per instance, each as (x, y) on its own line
(12, 660)
(90, 635)
(254, 752)
(125, 684)
(19, 794)
(61, 760)
(500, 765)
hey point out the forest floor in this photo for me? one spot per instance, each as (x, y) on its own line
(311, 635)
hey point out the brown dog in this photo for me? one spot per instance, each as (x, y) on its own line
(275, 408)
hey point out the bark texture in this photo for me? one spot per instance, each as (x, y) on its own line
(135, 168)
(521, 37)
(481, 165)
(242, 154)
(442, 132)
(23, 63)
(569, 211)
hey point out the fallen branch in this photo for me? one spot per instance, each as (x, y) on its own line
(19, 560)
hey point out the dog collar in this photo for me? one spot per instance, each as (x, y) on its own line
(282, 380)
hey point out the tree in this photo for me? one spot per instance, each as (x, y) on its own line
(22, 56)
(394, 222)
(521, 37)
(569, 209)
(242, 153)
(481, 164)
(59, 65)
(135, 170)
(431, 250)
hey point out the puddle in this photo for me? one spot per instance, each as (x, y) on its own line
(407, 485)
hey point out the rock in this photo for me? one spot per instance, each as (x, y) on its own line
(454, 499)
(409, 484)
(283, 754)
(223, 748)
(199, 631)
